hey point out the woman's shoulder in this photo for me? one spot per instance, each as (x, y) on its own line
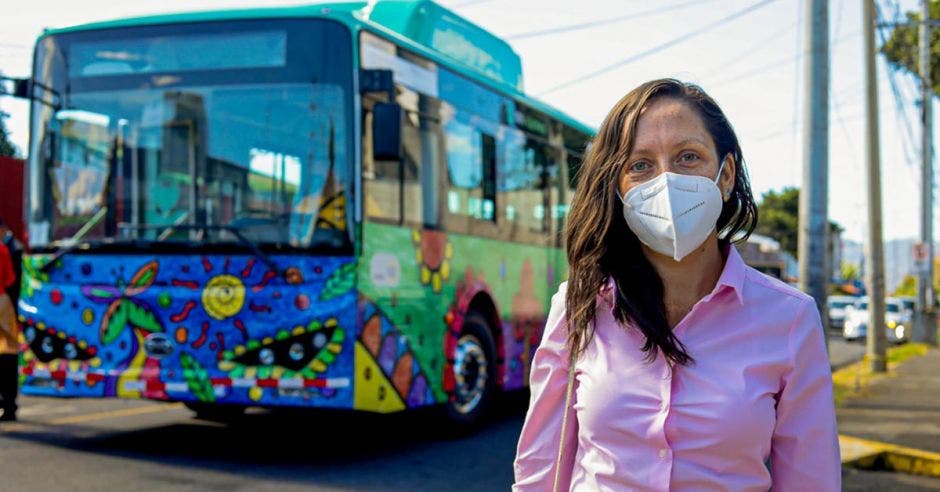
(763, 283)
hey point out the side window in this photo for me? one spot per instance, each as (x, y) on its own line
(406, 191)
(464, 169)
(488, 146)
(521, 187)
(381, 181)
(411, 169)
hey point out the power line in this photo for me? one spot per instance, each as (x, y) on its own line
(780, 62)
(660, 47)
(759, 45)
(603, 22)
(900, 112)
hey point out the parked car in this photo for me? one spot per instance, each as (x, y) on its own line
(836, 306)
(897, 321)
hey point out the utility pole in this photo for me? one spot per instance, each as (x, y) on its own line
(926, 317)
(813, 248)
(874, 257)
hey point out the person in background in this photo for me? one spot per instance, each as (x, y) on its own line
(9, 359)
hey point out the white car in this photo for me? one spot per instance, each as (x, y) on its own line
(837, 306)
(897, 321)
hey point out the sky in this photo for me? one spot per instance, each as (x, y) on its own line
(753, 65)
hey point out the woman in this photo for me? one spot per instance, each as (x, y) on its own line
(690, 370)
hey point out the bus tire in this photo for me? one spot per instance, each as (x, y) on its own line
(215, 412)
(474, 374)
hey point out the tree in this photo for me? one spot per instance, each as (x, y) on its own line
(902, 46)
(7, 149)
(908, 287)
(850, 271)
(779, 218)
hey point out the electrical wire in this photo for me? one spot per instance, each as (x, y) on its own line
(900, 111)
(751, 49)
(780, 62)
(660, 47)
(603, 22)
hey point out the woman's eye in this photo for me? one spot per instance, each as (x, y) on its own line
(639, 166)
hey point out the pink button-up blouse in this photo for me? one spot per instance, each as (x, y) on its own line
(753, 410)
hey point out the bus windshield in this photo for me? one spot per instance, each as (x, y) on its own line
(194, 134)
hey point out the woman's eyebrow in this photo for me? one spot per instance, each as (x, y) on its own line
(642, 151)
(691, 140)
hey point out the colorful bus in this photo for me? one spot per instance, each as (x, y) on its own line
(346, 206)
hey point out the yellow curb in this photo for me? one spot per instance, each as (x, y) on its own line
(865, 454)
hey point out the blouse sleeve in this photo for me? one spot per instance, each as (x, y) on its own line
(805, 446)
(538, 444)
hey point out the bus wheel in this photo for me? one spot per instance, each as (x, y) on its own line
(474, 373)
(215, 412)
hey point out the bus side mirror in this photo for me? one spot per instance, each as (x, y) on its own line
(386, 132)
(20, 87)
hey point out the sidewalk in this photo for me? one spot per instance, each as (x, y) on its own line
(901, 410)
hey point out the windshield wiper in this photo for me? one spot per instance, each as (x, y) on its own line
(166, 230)
(69, 245)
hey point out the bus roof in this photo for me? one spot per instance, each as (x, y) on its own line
(418, 25)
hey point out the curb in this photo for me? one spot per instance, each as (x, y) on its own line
(874, 455)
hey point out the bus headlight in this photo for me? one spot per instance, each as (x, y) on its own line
(892, 324)
(899, 332)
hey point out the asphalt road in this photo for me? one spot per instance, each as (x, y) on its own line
(842, 352)
(90, 445)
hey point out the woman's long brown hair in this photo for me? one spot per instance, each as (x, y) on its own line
(601, 245)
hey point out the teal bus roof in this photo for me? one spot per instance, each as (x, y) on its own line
(422, 26)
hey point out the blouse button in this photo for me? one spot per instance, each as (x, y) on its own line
(662, 453)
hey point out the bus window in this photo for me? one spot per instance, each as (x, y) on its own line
(413, 209)
(488, 144)
(381, 181)
(464, 171)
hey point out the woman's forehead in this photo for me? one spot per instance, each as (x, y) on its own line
(671, 121)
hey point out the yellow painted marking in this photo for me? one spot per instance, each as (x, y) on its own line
(114, 414)
(862, 453)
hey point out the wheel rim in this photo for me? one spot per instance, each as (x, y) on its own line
(470, 374)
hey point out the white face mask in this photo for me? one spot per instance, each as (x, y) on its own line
(672, 213)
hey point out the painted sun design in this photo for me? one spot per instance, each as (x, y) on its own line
(223, 295)
(433, 253)
(303, 352)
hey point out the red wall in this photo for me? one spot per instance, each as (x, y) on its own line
(11, 195)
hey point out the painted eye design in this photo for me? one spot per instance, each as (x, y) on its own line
(305, 351)
(319, 340)
(266, 356)
(48, 344)
(296, 351)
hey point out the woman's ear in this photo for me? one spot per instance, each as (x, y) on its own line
(728, 173)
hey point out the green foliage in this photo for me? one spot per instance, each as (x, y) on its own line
(850, 272)
(125, 312)
(7, 149)
(902, 46)
(197, 378)
(342, 279)
(907, 287)
(779, 218)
